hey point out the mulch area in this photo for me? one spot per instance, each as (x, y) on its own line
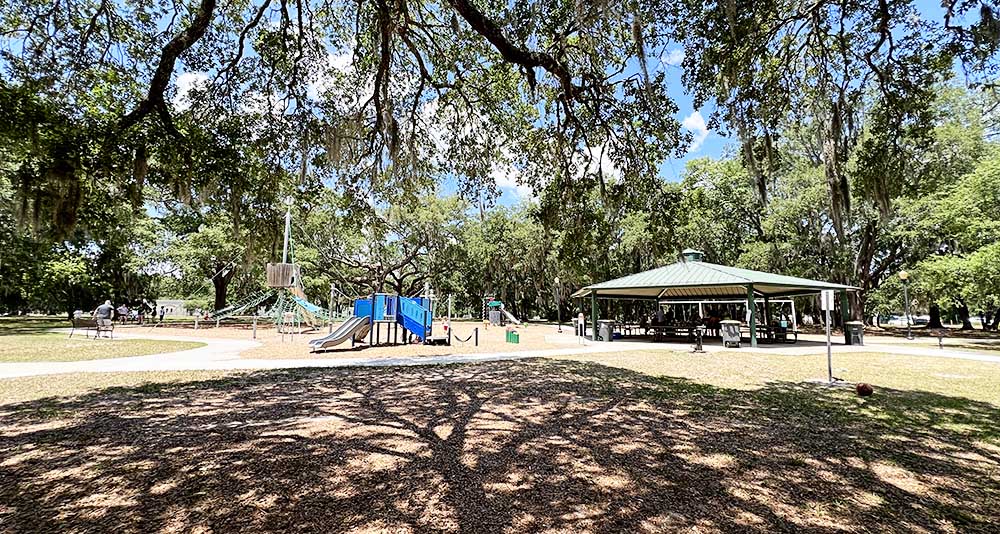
(524, 446)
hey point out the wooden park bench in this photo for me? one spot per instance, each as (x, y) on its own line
(97, 325)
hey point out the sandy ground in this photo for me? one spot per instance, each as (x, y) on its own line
(275, 346)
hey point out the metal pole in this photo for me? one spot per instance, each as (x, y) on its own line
(371, 324)
(593, 315)
(906, 297)
(829, 350)
(330, 320)
(288, 230)
(255, 326)
(559, 308)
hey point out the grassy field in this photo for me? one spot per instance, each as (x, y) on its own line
(28, 340)
(649, 442)
(972, 380)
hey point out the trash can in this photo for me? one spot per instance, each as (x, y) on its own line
(513, 336)
(730, 333)
(856, 333)
(605, 330)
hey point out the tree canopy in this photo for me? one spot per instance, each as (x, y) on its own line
(147, 146)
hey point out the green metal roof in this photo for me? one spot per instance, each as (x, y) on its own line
(704, 280)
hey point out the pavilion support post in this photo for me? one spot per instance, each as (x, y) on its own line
(593, 316)
(767, 311)
(752, 308)
(845, 315)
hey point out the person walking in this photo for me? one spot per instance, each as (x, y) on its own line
(163, 311)
(122, 313)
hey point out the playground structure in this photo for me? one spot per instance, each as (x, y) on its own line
(386, 313)
(496, 313)
(291, 309)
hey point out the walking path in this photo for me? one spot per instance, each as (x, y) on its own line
(224, 354)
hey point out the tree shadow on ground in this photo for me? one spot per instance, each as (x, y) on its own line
(504, 446)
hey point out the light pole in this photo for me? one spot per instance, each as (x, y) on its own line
(905, 277)
(558, 307)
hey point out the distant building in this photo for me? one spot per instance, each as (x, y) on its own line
(173, 308)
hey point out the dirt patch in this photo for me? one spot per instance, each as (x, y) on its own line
(275, 346)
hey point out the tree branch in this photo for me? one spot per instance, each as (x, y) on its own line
(168, 58)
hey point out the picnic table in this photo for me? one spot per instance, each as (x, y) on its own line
(662, 332)
(772, 334)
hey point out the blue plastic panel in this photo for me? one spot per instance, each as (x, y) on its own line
(414, 317)
(363, 308)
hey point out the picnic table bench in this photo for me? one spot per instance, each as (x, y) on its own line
(662, 332)
(97, 325)
(772, 333)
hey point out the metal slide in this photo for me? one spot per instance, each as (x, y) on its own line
(510, 317)
(356, 327)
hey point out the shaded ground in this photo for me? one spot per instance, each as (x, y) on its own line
(506, 446)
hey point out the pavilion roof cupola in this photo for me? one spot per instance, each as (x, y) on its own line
(690, 254)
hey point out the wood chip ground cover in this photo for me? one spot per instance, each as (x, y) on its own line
(527, 446)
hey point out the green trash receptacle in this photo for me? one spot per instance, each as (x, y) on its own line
(513, 336)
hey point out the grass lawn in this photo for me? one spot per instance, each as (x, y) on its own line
(534, 445)
(26, 339)
(60, 348)
(972, 380)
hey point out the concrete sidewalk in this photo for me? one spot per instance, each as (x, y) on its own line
(224, 354)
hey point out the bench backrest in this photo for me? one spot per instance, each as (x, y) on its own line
(84, 323)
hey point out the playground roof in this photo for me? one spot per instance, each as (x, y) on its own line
(695, 279)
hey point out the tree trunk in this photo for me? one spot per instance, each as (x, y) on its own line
(935, 313)
(221, 284)
(963, 314)
(996, 320)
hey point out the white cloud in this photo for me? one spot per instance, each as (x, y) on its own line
(695, 124)
(674, 57)
(505, 177)
(187, 81)
(596, 160)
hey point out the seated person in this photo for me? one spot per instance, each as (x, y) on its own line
(105, 313)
